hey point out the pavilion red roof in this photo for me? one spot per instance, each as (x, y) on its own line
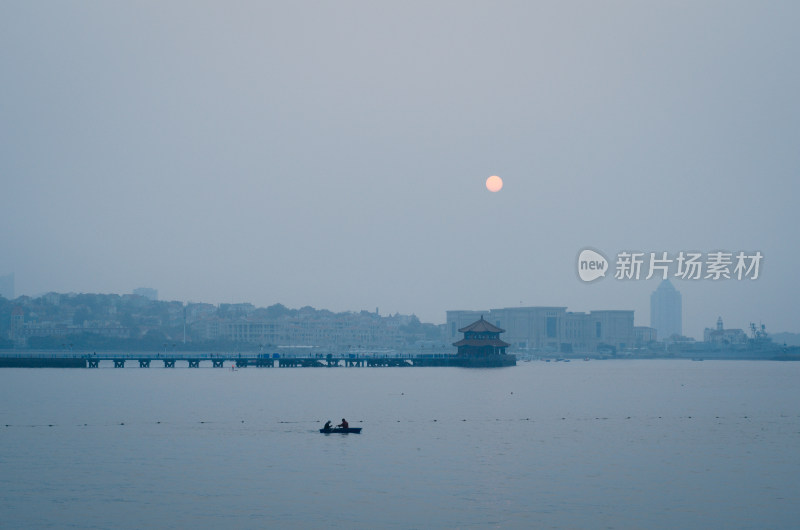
(480, 326)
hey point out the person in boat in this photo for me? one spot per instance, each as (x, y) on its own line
(327, 425)
(344, 424)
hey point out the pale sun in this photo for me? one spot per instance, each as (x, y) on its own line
(494, 184)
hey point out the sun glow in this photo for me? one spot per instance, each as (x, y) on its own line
(494, 184)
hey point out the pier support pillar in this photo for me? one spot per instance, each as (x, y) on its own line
(217, 363)
(194, 363)
(144, 363)
(92, 363)
(169, 363)
(119, 363)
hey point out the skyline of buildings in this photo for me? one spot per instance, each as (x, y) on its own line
(120, 318)
(553, 329)
(543, 328)
(550, 329)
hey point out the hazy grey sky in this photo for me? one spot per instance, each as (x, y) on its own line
(334, 153)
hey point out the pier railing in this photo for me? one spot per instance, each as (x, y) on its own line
(220, 359)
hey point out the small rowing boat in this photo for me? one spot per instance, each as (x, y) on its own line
(339, 430)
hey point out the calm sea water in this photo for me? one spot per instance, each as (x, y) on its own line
(600, 444)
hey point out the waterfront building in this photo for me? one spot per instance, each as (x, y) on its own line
(551, 329)
(644, 335)
(611, 330)
(481, 339)
(481, 346)
(344, 331)
(724, 337)
(17, 325)
(536, 328)
(666, 311)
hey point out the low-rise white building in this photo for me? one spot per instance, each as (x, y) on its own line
(721, 336)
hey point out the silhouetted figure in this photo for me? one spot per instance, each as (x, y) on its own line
(327, 425)
(344, 424)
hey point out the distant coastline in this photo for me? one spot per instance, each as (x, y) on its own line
(83, 324)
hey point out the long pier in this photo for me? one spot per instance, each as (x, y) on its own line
(237, 360)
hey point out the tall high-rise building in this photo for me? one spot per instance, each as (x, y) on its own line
(7, 286)
(666, 311)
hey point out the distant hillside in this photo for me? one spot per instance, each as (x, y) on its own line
(96, 322)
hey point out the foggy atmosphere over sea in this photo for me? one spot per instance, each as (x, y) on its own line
(496, 237)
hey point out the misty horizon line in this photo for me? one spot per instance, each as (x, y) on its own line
(218, 304)
(347, 311)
